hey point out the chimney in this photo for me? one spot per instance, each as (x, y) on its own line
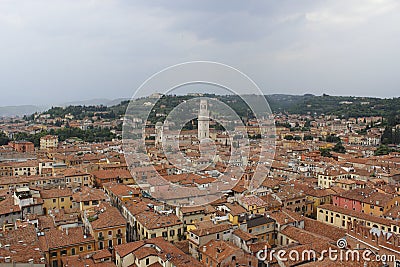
(204, 248)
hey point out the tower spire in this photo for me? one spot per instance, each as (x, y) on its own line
(203, 121)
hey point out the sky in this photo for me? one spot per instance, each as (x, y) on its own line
(56, 51)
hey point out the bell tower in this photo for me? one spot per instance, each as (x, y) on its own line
(203, 121)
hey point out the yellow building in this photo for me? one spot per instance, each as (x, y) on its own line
(236, 213)
(318, 197)
(328, 177)
(77, 178)
(151, 224)
(6, 169)
(57, 198)
(262, 227)
(48, 142)
(253, 204)
(106, 225)
(379, 203)
(340, 217)
(57, 243)
(88, 198)
(192, 215)
(26, 168)
(200, 236)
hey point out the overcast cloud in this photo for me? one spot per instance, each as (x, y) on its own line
(59, 51)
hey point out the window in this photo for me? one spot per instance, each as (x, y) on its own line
(171, 232)
(147, 261)
(110, 243)
(54, 200)
(80, 249)
(109, 232)
(89, 247)
(153, 235)
(119, 241)
(63, 252)
(101, 245)
(73, 252)
(54, 254)
(62, 199)
(164, 234)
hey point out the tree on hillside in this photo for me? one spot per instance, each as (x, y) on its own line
(339, 148)
(289, 137)
(382, 150)
(3, 139)
(332, 139)
(325, 152)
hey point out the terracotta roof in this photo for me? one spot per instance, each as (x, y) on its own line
(45, 222)
(252, 200)
(23, 245)
(152, 220)
(74, 172)
(124, 249)
(212, 229)
(142, 248)
(7, 206)
(323, 229)
(55, 193)
(101, 254)
(89, 194)
(107, 174)
(109, 218)
(302, 236)
(84, 261)
(285, 216)
(55, 238)
(144, 252)
(244, 235)
(121, 190)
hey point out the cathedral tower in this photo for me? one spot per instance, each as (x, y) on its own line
(203, 121)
